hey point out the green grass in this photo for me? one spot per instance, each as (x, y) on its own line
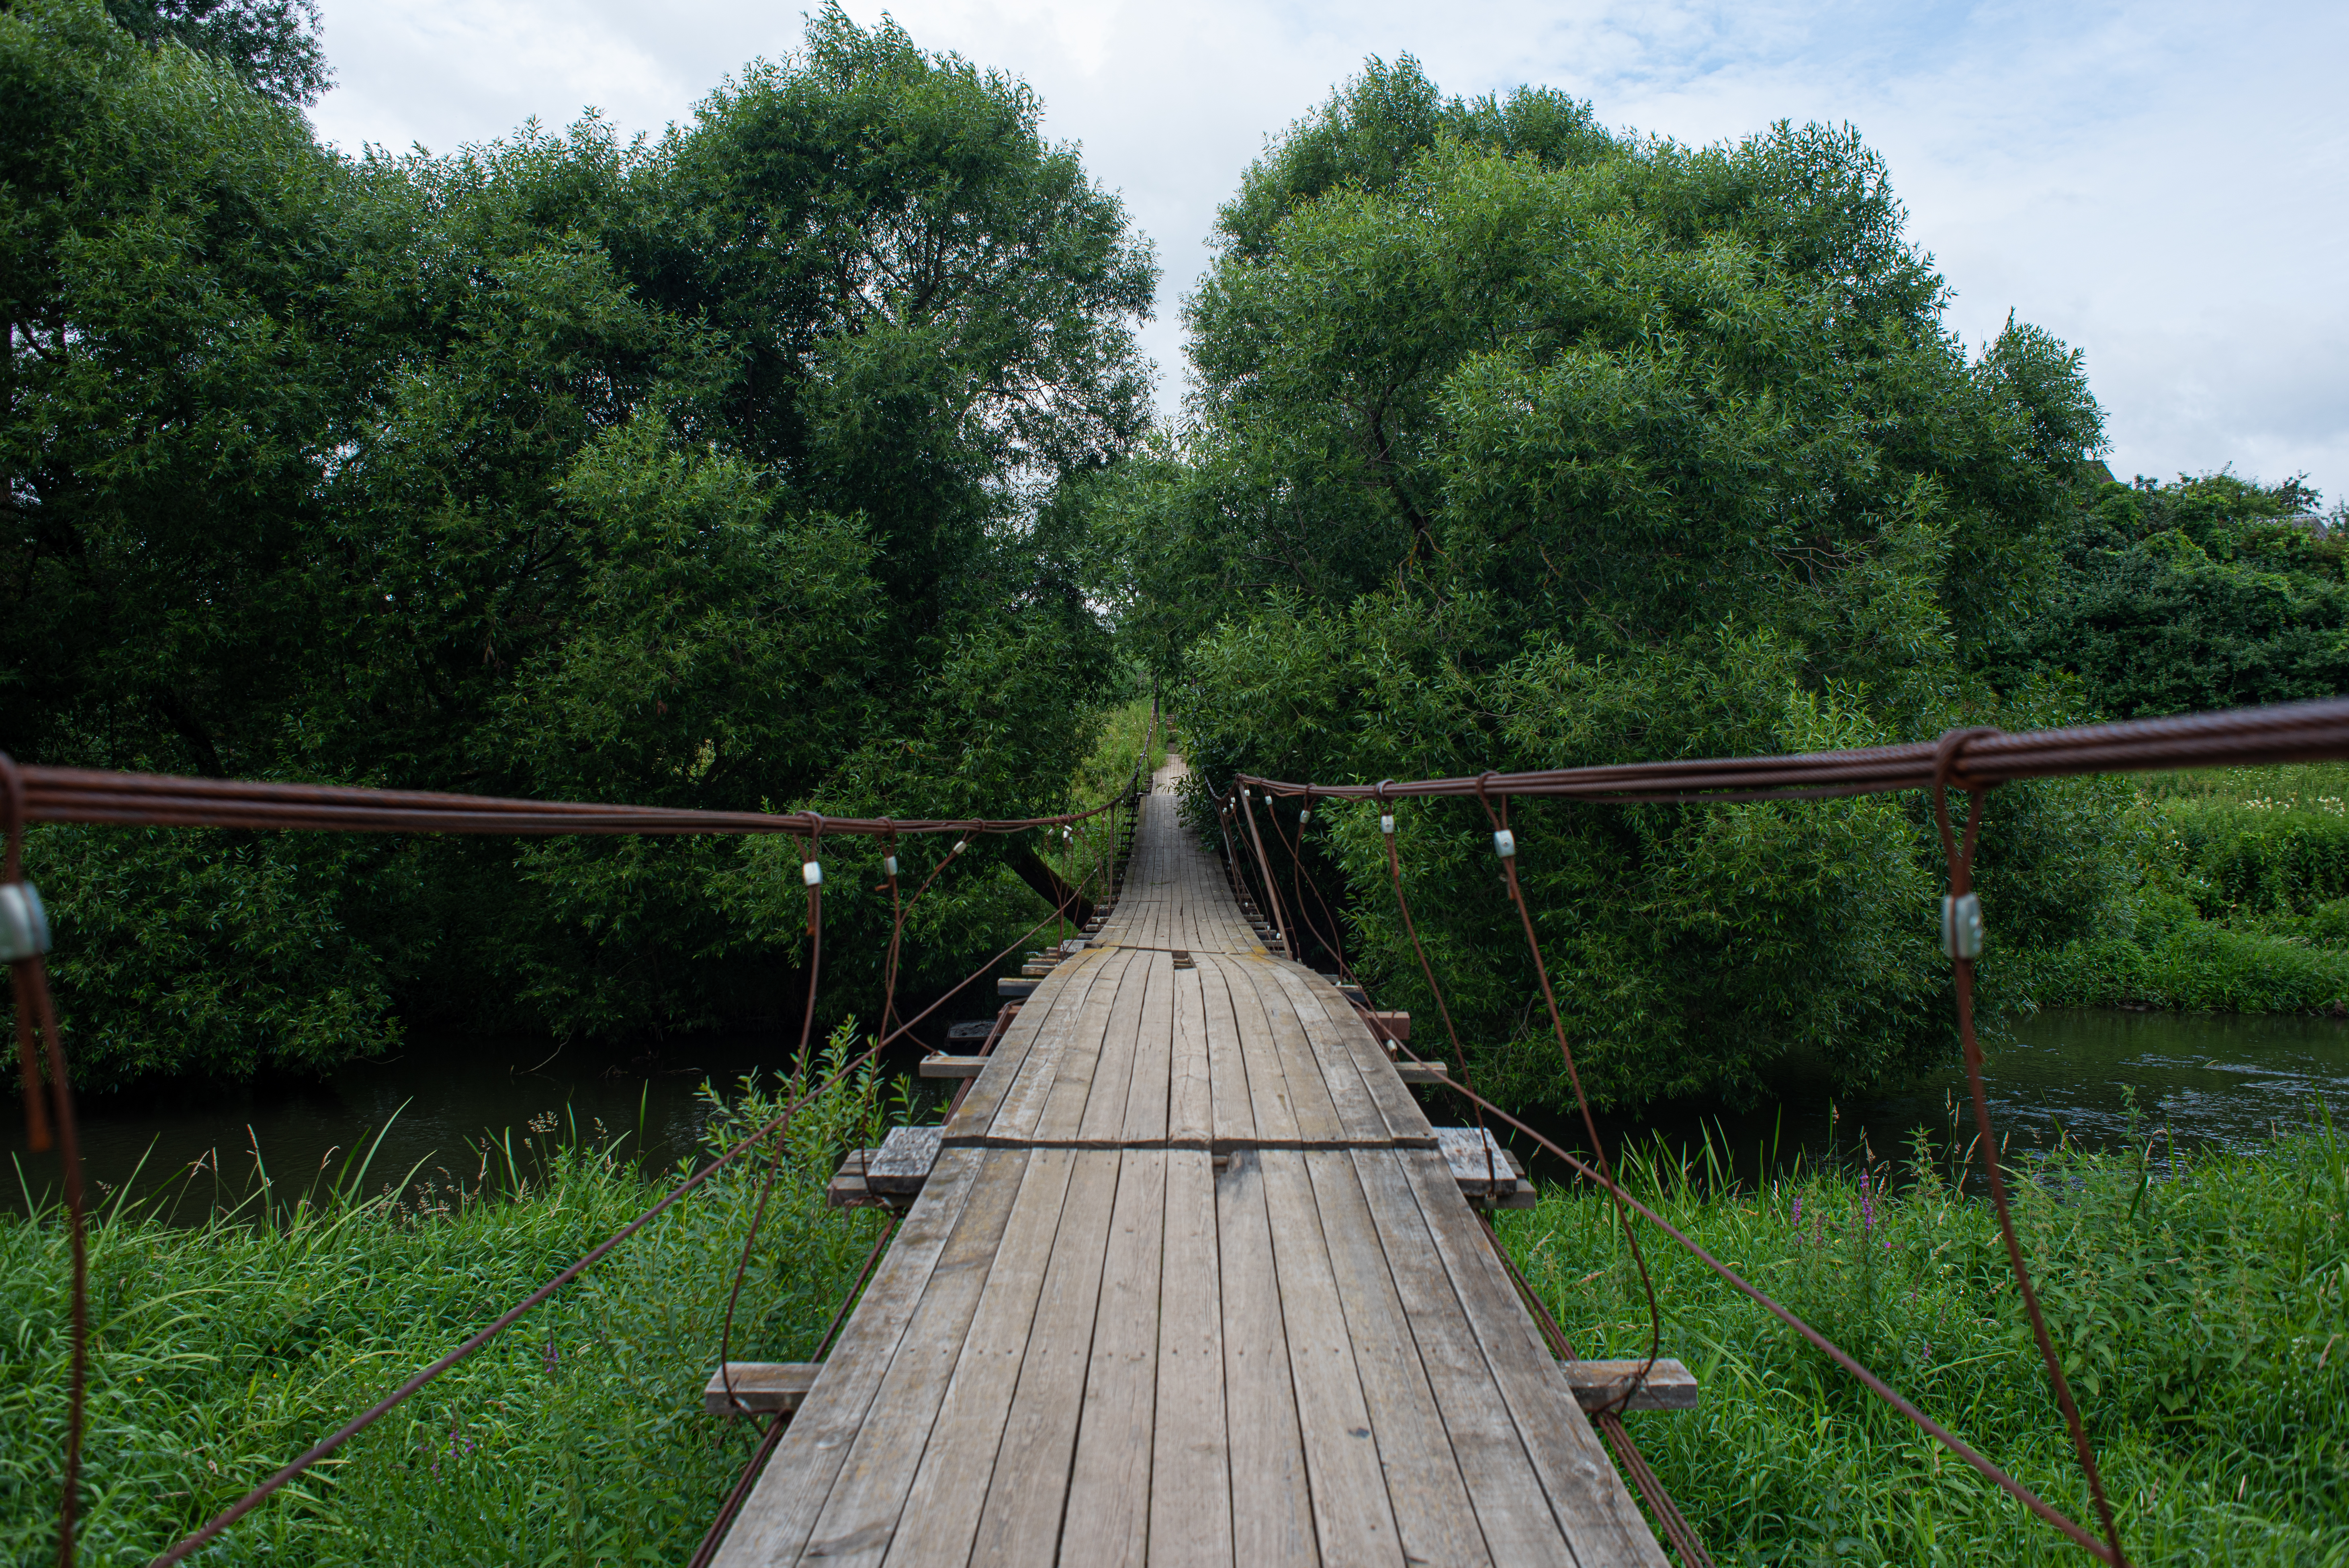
(2200, 1314)
(2242, 904)
(578, 1436)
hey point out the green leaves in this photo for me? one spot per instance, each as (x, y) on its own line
(1521, 445)
(709, 473)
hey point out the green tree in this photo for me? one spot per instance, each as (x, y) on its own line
(710, 472)
(2211, 593)
(1515, 444)
(272, 44)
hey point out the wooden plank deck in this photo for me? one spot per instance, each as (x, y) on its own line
(1190, 1283)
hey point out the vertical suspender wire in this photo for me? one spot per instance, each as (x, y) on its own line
(716, 1534)
(1960, 860)
(1627, 1456)
(1264, 867)
(1300, 880)
(1443, 1008)
(28, 979)
(896, 932)
(812, 873)
(1500, 821)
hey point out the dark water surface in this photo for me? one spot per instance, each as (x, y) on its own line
(435, 1104)
(2209, 1080)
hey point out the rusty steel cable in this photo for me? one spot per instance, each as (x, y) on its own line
(1387, 827)
(810, 857)
(1627, 1456)
(1264, 871)
(1976, 760)
(1508, 858)
(148, 799)
(1949, 757)
(711, 1538)
(2237, 738)
(53, 1121)
(1988, 1470)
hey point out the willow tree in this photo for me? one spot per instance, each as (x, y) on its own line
(1516, 443)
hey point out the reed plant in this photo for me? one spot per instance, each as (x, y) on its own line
(2197, 1299)
(219, 1350)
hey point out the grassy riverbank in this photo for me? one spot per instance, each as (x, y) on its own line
(2240, 902)
(578, 1438)
(2202, 1305)
(2202, 1315)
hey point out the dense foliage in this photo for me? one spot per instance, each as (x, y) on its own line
(709, 471)
(1515, 444)
(2211, 593)
(2237, 900)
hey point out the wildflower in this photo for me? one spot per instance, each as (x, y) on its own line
(1799, 1210)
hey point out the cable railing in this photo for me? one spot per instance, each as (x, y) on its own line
(31, 794)
(1972, 760)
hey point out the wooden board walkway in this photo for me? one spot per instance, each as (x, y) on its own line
(1189, 1283)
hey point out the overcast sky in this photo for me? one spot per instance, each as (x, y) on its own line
(2162, 184)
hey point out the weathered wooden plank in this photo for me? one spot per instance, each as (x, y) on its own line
(1353, 1517)
(1231, 1106)
(1020, 1522)
(1033, 1030)
(1309, 1092)
(1478, 1160)
(902, 1161)
(783, 1504)
(865, 1506)
(939, 1064)
(1433, 1516)
(1190, 1108)
(1268, 1081)
(950, 1483)
(1272, 1511)
(1147, 1093)
(1512, 1510)
(1097, 1115)
(1073, 1028)
(1586, 1495)
(1357, 1109)
(1596, 1384)
(1108, 1510)
(758, 1387)
(1404, 1119)
(1190, 1454)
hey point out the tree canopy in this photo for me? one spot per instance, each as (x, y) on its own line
(1516, 443)
(704, 471)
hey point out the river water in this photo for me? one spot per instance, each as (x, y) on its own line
(2224, 1079)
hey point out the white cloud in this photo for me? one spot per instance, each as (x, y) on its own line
(2158, 184)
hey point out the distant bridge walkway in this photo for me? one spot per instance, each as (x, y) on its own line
(1189, 1281)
